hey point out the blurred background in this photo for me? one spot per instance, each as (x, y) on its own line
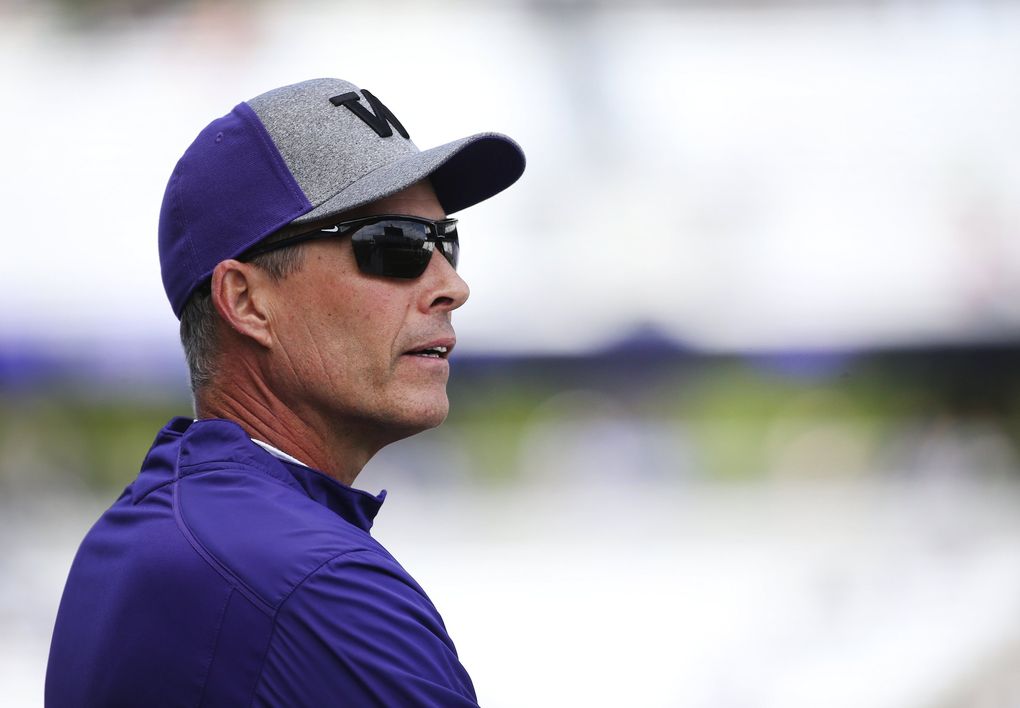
(736, 400)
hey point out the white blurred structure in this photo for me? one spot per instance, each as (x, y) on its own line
(750, 176)
(734, 175)
(856, 595)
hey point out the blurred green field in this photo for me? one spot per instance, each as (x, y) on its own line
(679, 416)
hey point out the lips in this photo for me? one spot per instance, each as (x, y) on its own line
(436, 352)
(436, 349)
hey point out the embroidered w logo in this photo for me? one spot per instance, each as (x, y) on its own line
(379, 121)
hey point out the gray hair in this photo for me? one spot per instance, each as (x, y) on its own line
(199, 319)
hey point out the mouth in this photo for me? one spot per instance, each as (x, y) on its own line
(433, 350)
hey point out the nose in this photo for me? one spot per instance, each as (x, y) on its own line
(444, 290)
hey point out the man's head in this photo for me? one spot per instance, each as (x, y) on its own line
(298, 155)
(330, 340)
(326, 336)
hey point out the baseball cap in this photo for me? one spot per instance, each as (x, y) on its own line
(298, 154)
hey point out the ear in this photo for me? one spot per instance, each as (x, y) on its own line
(239, 293)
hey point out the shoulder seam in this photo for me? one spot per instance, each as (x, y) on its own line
(218, 567)
(279, 608)
(215, 645)
(319, 567)
(154, 489)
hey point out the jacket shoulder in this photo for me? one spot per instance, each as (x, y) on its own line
(259, 532)
(360, 627)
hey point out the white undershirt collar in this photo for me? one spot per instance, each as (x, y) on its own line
(276, 452)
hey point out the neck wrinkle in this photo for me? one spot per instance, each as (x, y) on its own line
(303, 435)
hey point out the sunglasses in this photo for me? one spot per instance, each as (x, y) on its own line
(392, 246)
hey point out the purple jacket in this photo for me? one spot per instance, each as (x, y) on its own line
(224, 576)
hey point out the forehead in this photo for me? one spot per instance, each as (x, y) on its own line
(417, 200)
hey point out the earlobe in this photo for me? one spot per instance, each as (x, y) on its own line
(238, 292)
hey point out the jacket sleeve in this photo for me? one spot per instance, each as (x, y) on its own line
(360, 632)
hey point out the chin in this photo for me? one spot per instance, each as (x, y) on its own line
(420, 415)
(433, 416)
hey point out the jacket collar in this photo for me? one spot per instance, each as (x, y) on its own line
(185, 446)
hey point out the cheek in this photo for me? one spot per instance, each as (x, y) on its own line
(360, 336)
(350, 328)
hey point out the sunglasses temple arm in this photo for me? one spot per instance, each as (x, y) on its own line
(293, 241)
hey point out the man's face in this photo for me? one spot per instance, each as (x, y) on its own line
(346, 341)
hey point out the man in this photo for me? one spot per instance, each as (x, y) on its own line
(298, 242)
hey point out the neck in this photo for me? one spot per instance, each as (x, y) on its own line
(338, 450)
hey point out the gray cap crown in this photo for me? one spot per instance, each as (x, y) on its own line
(340, 162)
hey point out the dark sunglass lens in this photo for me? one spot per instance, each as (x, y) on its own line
(451, 251)
(395, 249)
